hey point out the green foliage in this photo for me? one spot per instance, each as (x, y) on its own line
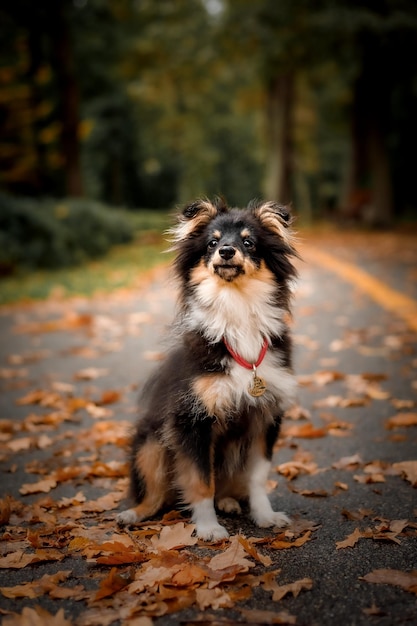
(51, 234)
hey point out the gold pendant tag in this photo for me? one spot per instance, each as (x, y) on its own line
(258, 386)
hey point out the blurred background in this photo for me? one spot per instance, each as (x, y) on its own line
(110, 108)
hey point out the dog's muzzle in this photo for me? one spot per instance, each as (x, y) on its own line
(227, 264)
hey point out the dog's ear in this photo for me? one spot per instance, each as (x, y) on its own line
(195, 216)
(276, 217)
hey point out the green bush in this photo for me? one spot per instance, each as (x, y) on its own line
(50, 233)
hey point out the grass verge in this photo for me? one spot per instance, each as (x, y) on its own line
(123, 267)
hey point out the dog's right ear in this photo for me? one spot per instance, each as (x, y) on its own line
(194, 217)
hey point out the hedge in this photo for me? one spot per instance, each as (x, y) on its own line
(57, 233)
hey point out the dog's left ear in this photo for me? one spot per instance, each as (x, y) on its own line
(195, 216)
(276, 217)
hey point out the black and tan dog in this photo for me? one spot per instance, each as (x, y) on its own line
(212, 411)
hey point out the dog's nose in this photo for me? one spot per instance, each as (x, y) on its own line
(227, 252)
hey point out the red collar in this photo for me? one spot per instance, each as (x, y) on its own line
(242, 361)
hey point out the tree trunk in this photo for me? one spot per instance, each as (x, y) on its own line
(280, 98)
(368, 195)
(62, 63)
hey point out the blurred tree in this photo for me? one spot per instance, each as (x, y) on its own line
(150, 103)
(196, 102)
(366, 52)
(382, 37)
(42, 149)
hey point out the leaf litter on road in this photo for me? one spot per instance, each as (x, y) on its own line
(160, 568)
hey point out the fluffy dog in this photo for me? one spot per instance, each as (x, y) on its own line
(212, 412)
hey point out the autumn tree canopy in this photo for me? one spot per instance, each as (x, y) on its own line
(149, 104)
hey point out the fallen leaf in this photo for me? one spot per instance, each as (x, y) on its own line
(176, 536)
(257, 616)
(114, 582)
(351, 540)
(402, 419)
(405, 580)
(42, 486)
(5, 510)
(19, 559)
(36, 616)
(110, 396)
(295, 588)
(305, 431)
(373, 611)
(357, 515)
(368, 479)
(253, 552)
(292, 469)
(348, 462)
(90, 373)
(234, 556)
(37, 587)
(409, 469)
(309, 493)
(214, 598)
(189, 574)
(280, 543)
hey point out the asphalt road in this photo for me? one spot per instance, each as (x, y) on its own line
(335, 466)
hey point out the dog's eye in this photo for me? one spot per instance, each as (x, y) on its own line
(212, 244)
(248, 243)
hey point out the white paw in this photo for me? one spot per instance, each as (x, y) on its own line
(127, 518)
(270, 518)
(211, 532)
(229, 505)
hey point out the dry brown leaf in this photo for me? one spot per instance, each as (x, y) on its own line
(309, 493)
(234, 556)
(257, 616)
(297, 412)
(42, 486)
(19, 444)
(305, 431)
(151, 576)
(399, 403)
(281, 543)
(368, 479)
(348, 462)
(357, 515)
(114, 582)
(351, 540)
(36, 588)
(292, 469)
(110, 396)
(405, 580)
(213, 598)
(320, 378)
(90, 373)
(36, 616)
(409, 469)
(253, 552)
(295, 588)
(402, 419)
(188, 575)
(176, 536)
(5, 510)
(373, 611)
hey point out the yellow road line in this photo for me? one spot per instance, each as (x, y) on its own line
(390, 299)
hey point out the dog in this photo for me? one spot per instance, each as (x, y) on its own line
(212, 411)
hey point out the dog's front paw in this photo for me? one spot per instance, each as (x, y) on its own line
(229, 505)
(127, 518)
(211, 532)
(271, 518)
